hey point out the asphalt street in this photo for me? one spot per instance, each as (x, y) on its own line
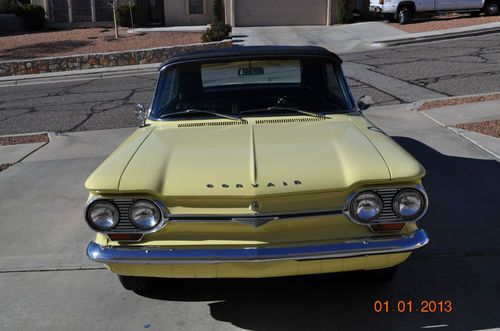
(390, 76)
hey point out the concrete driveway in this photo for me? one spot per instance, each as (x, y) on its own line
(46, 282)
(338, 38)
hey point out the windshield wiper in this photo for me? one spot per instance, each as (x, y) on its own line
(201, 111)
(259, 110)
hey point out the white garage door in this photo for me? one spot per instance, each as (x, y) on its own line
(280, 12)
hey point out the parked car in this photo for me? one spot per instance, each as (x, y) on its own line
(255, 162)
(405, 10)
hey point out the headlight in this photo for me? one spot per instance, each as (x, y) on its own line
(102, 215)
(408, 204)
(366, 206)
(144, 214)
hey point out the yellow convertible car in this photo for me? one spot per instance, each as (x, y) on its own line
(254, 162)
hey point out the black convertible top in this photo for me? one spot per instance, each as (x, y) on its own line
(252, 51)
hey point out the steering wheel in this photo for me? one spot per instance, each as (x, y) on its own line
(282, 100)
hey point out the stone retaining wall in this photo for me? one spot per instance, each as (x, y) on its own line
(101, 60)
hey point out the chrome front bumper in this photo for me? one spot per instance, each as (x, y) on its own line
(168, 255)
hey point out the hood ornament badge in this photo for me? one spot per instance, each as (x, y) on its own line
(255, 206)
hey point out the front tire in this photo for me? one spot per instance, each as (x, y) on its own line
(405, 15)
(381, 276)
(491, 8)
(136, 284)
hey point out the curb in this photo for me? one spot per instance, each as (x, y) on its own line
(454, 130)
(436, 37)
(75, 75)
(415, 106)
(419, 104)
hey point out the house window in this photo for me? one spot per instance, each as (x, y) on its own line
(196, 7)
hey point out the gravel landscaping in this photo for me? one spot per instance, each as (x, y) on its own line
(25, 139)
(86, 41)
(443, 22)
(490, 128)
(458, 101)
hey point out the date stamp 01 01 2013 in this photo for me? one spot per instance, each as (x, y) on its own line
(410, 306)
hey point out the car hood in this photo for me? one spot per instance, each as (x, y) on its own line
(262, 157)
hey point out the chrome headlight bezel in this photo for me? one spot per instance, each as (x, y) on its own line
(104, 204)
(121, 227)
(365, 195)
(157, 214)
(388, 208)
(420, 211)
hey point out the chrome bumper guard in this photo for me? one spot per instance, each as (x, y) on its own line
(167, 255)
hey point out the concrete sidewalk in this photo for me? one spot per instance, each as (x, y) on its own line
(189, 28)
(436, 35)
(350, 38)
(47, 282)
(337, 38)
(469, 113)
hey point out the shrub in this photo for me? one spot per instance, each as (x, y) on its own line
(342, 11)
(8, 6)
(218, 31)
(123, 15)
(32, 16)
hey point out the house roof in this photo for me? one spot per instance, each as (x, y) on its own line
(252, 51)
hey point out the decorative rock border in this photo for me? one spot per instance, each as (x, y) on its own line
(101, 60)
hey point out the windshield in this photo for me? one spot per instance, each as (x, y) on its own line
(244, 88)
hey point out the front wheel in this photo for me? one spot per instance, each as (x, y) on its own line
(136, 284)
(405, 15)
(491, 8)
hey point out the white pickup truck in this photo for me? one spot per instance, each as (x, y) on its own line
(405, 10)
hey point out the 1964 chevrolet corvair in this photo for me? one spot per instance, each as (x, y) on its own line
(254, 162)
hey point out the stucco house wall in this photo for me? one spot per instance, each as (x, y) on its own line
(237, 12)
(176, 13)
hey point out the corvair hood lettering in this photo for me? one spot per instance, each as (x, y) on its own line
(269, 184)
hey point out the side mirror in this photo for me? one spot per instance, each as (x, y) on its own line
(142, 114)
(365, 102)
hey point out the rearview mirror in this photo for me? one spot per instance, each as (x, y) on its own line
(142, 114)
(365, 102)
(250, 71)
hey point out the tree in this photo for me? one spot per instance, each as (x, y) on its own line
(218, 12)
(114, 5)
(342, 7)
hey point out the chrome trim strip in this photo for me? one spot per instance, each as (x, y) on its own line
(174, 255)
(239, 217)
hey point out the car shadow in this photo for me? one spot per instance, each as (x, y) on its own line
(461, 264)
